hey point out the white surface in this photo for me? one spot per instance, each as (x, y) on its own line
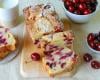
(10, 71)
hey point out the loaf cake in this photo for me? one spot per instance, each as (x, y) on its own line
(58, 59)
(7, 42)
(63, 39)
(41, 20)
(48, 35)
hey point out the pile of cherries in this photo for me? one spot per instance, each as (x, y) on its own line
(94, 63)
(93, 40)
(81, 7)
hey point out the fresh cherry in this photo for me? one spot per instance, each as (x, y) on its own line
(93, 40)
(82, 1)
(78, 12)
(90, 37)
(92, 44)
(69, 3)
(35, 56)
(76, 1)
(82, 6)
(71, 8)
(87, 11)
(87, 57)
(98, 46)
(95, 64)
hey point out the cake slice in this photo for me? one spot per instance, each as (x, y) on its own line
(63, 39)
(7, 42)
(58, 59)
(42, 20)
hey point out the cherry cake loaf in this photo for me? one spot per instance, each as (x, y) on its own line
(58, 59)
(7, 42)
(47, 33)
(63, 39)
(41, 20)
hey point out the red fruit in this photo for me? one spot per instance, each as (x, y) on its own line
(92, 44)
(95, 64)
(82, 1)
(36, 41)
(68, 3)
(62, 65)
(52, 65)
(77, 12)
(82, 6)
(35, 56)
(75, 1)
(58, 29)
(87, 57)
(71, 8)
(63, 57)
(91, 37)
(58, 53)
(98, 46)
(87, 11)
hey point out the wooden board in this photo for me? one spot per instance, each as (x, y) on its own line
(31, 68)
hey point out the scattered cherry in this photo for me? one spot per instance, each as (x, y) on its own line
(95, 64)
(87, 57)
(35, 56)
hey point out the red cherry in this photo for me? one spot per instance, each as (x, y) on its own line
(78, 12)
(35, 56)
(58, 29)
(82, 6)
(92, 44)
(91, 37)
(98, 46)
(75, 1)
(69, 3)
(95, 64)
(87, 11)
(63, 65)
(36, 41)
(82, 1)
(87, 57)
(71, 8)
(52, 65)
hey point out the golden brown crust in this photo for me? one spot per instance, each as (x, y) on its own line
(70, 70)
(7, 48)
(33, 15)
(4, 51)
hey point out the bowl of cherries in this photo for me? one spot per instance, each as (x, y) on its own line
(80, 11)
(93, 42)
